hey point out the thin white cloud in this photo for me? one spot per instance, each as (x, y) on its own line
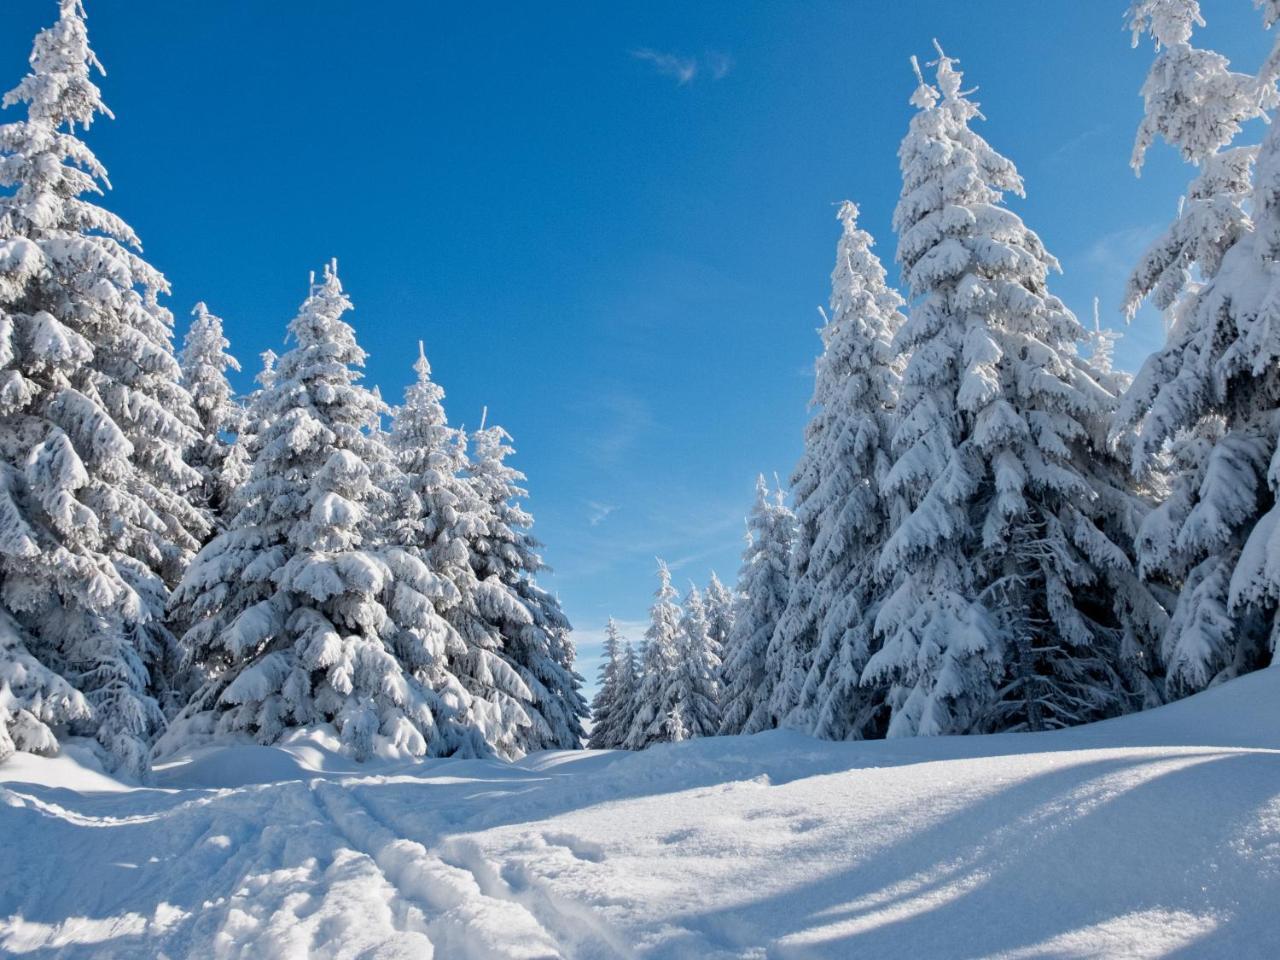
(1117, 252)
(599, 512)
(684, 69)
(718, 63)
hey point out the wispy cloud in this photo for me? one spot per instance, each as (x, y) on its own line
(719, 64)
(1102, 269)
(685, 69)
(619, 420)
(599, 512)
(1118, 251)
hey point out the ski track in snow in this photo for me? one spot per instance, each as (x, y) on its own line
(1156, 835)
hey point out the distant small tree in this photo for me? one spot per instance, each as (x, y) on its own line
(657, 717)
(749, 674)
(611, 708)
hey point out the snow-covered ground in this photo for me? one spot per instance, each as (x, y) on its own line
(1153, 835)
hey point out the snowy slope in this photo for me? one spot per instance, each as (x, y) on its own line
(1153, 835)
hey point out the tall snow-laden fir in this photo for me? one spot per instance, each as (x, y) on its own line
(614, 701)
(1208, 398)
(445, 517)
(1017, 606)
(300, 614)
(216, 454)
(748, 676)
(534, 632)
(842, 517)
(94, 491)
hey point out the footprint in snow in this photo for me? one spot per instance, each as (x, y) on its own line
(587, 850)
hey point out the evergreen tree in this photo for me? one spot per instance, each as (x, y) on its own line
(628, 693)
(300, 615)
(657, 718)
(697, 680)
(205, 362)
(749, 675)
(1197, 105)
(445, 516)
(1208, 396)
(96, 516)
(535, 634)
(843, 519)
(720, 608)
(1016, 608)
(251, 422)
(610, 710)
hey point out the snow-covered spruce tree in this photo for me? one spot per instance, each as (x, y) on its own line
(748, 677)
(445, 517)
(611, 708)
(95, 491)
(720, 610)
(301, 616)
(1208, 398)
(698, 673)
(1017, 606)
(657, 717)
(251, 420)
(535, 634)
(205, 362)
(842, 518)
(1197, 105)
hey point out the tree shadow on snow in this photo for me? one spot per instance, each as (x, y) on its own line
(1054, 854)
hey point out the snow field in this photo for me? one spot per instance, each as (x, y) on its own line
(1156, 835)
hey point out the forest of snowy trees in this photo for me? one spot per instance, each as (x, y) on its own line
(180, 565)
(991, 528)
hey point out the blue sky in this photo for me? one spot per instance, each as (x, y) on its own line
(612, 224)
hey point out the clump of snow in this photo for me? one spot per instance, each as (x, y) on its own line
(1150, 835)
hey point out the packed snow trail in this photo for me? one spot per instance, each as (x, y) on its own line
(1156, 835)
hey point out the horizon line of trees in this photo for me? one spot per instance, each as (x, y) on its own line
(992, 528)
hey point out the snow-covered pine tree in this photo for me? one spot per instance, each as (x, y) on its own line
(629, 693)
(446, 516)
(747, 676)
(720, 609)
(251, 421)
(1017, 606)
(1197, 105)
(1209, 395)
(97, 513)
(611, 708)
(697, 685)
(535, 633)
(300, 615)
(265, 378)
(842, 517)
(657, 717)
(205, 362)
